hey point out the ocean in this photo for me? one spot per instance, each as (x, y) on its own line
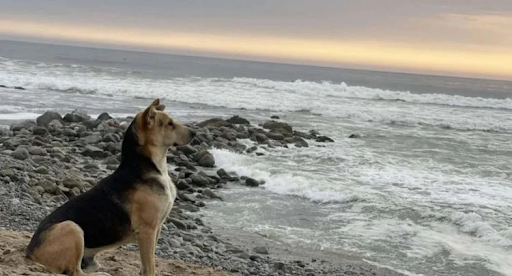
(426, 190)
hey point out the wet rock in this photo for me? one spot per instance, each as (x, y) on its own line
(275, 117)
(211, 194)
(45, 119)
(182, 185)
(104, 117)
(206, 160)
(324, 139)
(76, 117)
(278, 126)
(355, 135)
(199, 180)
(275, 136)
(222, 173)
(37, 130)
(251, 182)
(297, 141)
(20, 153)
(19, 88)
(260, 138)
(238, 120)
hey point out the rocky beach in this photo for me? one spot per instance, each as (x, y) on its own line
(45, 162)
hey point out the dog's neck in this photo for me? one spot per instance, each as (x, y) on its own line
(159, 157)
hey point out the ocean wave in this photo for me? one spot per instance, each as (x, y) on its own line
(340, 101)
(279, 182)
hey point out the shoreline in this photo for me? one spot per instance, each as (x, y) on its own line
(46, 161)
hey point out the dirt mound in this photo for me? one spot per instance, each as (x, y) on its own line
(115, 262)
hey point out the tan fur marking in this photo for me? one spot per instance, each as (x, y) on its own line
(148, 210)
(62, 249)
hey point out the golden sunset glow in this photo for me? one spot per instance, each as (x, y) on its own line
(481, 61)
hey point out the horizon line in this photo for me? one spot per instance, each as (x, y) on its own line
(115, 47)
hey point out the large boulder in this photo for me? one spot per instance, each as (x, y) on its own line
(278, 126)
(45, 119)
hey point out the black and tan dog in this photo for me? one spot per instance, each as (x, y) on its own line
(128, 206)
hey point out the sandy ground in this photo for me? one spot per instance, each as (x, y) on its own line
(116, 262)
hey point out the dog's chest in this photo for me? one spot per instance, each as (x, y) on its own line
(168, 196)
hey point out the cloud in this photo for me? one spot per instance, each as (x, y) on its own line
(338, 52)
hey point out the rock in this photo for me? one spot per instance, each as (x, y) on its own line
(355, 135)
(275, 136)
(20, 153)
(238, 120)
(111, 138)
(260, 138)
(297, 141)
(22, 125)
(19, 88)
(55, 125)
(111, 160)
(37, 151)
(222, 173)
(48, 186)
(92, 139)
(210, 194)
(220, 145)
(178, 223)
(260, 250)
(111, 167)
(174, 243)
(251, 182)
(182, 185)
(104, 117)
(76, 117)
(252, 149)
(39, 130)
(279, 266)
(206, 161)
(71, 182)
(214, 122)
(7, 172)
(42, 170)
(189, 207)
(278, 126)
(199, 180)
(323, 139)
(45, 119)
(275, 117)
(187, 149)
(92, 151)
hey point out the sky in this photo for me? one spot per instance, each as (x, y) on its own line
(469, 38)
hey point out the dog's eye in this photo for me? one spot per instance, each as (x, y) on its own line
(171, 124)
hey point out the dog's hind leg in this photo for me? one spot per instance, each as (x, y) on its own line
(61, 250)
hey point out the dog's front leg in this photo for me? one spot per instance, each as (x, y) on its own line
(147, 247)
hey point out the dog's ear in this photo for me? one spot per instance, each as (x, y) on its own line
(148, 116)
(160, 107)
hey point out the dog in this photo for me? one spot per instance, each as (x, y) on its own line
(127, 206)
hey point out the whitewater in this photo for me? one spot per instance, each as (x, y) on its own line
(426, 190)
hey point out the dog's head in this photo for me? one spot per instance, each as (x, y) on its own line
(154, 128)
